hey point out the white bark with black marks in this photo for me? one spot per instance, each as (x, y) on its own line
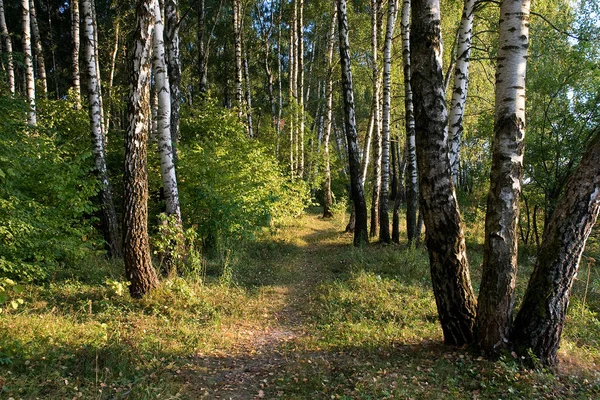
(39, 51)
(75, 53)
(327, 196)
(28, 61)
(8, 46)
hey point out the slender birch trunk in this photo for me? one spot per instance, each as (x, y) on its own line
(412, 184)
(39, 52)
(384, 218)
(109, 216)
(28, 61)
(104, 128)
(375, 118)
(237, 34)
(111, 77)
(202, 70)
(539, 323)
(75, 53)
(138, 264)
(52, 51)
(8, 46)
(291, 91)
(248, 96)
(300, 94)
(459, 90)
(279, 83)
(174, 67)
(399, 195)
(360, 233)
(496, 296)
(327, 197)
(445, 238)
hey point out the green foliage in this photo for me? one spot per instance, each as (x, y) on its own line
(8, 290)
(45, 190)
(229, 184)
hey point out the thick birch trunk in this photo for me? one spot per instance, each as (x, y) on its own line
(360, 233)
(28, 61)
(538, 325)
(109, 216)
(174, 64)
(496, 296)
(384, 218)
(39, 51)
(327, 197)
(459, 90)
(8, 46)
(412, 184)
(138, 264)
(445, 239)
(75, 54)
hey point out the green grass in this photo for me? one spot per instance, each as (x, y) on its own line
(302, 314)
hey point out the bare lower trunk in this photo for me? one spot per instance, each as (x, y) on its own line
(459, 90)
(8, 46)
(401, 165)
(495, 303)
(384, 218)
(358, 198)
(109, 215)
(445, 239)
(538, 325)
(412, 199)
(28, 61)
(138, 265)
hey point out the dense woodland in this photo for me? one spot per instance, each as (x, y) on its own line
(172, 149)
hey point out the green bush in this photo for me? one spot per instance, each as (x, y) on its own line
(45, 190)
(231, 185)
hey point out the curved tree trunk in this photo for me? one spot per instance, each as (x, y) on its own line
(459, 90)
(109, 215)
(384, 217)
(495, 303)
(28, 61)
(327, 197)
(358, 197)
(138, 264)
(39, 51)
(412, 184)
(8, 45)
(445, 239)
(538, 325)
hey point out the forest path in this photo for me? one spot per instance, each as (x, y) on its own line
(298, 258)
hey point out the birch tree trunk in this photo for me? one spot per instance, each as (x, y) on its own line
(399, 195)
(384, 218)
(28, 61)
(445, 239)
(104, 128)
(360, 232)
(539, 323)
(75, 54)
(279, 83)
(300, 94)
(202, 71)
(138, 264)
(8, 46)
(412, 184)
(496, 296)
(375, 120)
(111, 77)
(237, 35)
(327, 197)
(174, 67)
(109, 216)
(459, 90)
(39, 52)
(248, 96)
(291, 82)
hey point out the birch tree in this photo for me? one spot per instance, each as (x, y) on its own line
(174, 66)
(109, 215)
(10, 68)
(138, 264)
(237, 38)
(384, 218)
(358, 197)
(28, 61)
(495, 308)
(39, 51)
(327, 197)
(459, 89)
(412, 200)
(450, 277)
(75, 53)
(375, 121)
(300, 93)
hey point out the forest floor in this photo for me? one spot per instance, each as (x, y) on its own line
(296, 314)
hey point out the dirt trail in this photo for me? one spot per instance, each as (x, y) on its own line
(263, 352)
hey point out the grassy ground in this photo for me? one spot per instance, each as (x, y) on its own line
(297, 314)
